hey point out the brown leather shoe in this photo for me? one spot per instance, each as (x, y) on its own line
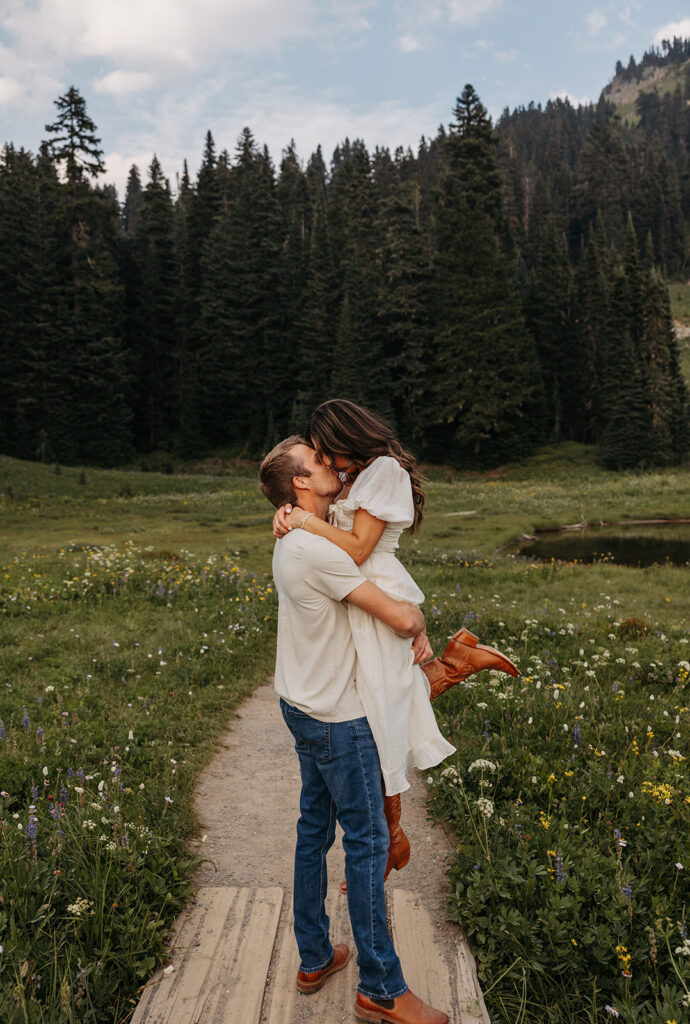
(312, 981)
(406, 1009)
(464, 656)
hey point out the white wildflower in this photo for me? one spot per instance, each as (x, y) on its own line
(485, 806)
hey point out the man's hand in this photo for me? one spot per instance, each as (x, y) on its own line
(422, 649)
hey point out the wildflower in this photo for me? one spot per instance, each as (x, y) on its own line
(679, 866)
(612, 1010)
(485, 806)
(481, 764)
(82, 906)
(560, 869)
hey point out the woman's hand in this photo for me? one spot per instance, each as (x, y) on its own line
(287, 518)
(422, 648)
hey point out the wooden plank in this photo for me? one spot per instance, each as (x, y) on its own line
(283, 990)
(472, 1005)
(339, 990)
(170, 998)
(243, 991)
(425, 971)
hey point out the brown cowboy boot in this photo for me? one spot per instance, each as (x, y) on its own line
(464, 656)
(399, 846)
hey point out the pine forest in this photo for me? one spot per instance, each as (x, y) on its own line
(503, 287)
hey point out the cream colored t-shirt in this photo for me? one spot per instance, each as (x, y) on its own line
(315, 663)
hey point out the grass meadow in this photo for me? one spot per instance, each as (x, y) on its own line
(137, 611)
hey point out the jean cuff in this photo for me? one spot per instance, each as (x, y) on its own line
(313, 970)
(382, 995)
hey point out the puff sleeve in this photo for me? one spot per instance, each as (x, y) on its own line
(385, 491)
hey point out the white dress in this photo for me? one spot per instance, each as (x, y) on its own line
(394, 691)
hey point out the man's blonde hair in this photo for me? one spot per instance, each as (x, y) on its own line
(278, 469)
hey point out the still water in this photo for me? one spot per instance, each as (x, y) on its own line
(622, 545)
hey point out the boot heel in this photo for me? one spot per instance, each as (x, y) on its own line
(371, 1015)
(401, 863)
(465, 637)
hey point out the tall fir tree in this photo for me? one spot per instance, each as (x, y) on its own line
(488, 387)
(157, 399)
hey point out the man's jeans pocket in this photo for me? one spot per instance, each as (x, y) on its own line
(311, 736)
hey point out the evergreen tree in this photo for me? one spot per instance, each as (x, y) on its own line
(133, 201)
(316, 323)
(157, 399)
(404, 308)
(240, 317)
(550, 321)
(488, 390)
(73, 140)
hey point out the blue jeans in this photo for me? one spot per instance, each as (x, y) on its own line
(341, 778)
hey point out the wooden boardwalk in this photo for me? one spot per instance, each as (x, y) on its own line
(235, 960)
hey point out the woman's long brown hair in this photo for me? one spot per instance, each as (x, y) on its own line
(340, 427)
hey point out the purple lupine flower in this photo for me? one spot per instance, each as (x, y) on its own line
(627, 892)
(683, 932)
(63, 795)
(485, 734)
(39, 734)
(576, 736)
(25, 718)
(560, 870)
(3, 730)
(34, 792)
(124, 839)
(31, 829)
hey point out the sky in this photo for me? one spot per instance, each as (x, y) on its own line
(157, 74)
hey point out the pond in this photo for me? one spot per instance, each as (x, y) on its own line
(629, 544)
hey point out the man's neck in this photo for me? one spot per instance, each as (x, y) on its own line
(315, 503)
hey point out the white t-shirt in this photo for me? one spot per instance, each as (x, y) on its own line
(315, 663)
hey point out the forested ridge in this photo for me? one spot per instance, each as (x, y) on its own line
(500, 288)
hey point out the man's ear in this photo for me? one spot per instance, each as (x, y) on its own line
(300, 483)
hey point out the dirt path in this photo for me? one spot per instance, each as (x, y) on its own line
(247, 804)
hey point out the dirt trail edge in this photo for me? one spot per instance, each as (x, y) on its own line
(246, 802)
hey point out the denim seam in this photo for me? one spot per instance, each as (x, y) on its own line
(372, 883)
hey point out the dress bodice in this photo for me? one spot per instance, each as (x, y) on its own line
(384, 490)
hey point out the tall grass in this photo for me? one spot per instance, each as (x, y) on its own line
(137, 611)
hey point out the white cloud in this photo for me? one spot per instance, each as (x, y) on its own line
(120, 83)
(275, 114)
(574, 101)
(166, 35)
(165, 32)
(469, 12)
(626, 16)
(502, 56)
(672, 30)
(596, 22)
(410, 43)
(9, 89)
